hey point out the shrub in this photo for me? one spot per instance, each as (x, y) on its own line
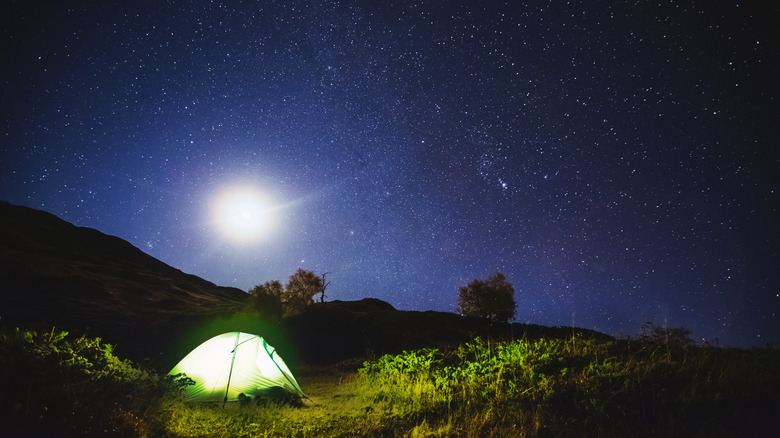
(576, 387)
(75, 386)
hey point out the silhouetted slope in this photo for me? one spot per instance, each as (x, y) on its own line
(54, 273)
(334, 331)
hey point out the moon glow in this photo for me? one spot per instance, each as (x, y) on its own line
(243, 214)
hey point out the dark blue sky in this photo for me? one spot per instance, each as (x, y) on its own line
(618, 162)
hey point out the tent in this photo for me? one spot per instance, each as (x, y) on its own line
(231, 364)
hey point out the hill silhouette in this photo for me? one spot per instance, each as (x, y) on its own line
(333, 331)
(53, 273)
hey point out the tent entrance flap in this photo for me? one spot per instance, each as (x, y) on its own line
(221, 372)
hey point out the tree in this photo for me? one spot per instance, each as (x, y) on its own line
(300, 290)
(666, 335)
(493, 299)
(325, 285)
(267, 299)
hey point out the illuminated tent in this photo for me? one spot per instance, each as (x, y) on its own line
(231, 364)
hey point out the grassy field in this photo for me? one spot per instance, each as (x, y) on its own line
(338, 404)
(540, 388)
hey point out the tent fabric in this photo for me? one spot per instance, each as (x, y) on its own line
(231, 364)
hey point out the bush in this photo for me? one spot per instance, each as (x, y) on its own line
(75, 387)
(577, 387)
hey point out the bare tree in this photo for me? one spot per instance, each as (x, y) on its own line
(325, 284)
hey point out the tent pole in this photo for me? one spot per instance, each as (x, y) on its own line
(230, 374)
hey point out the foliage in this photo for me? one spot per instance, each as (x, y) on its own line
(273, 301)
(665, 335)
(492, 299)
(568, 387)
(76, 387)
(578, 387)
(266, 299)
(300, 290)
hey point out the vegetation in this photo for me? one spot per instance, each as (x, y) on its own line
(55, 386)
(493, 299)
(273, 301)
(577, 387)
(666, 335)
(266, 299)
(535, 388)
(300, 291)
(325, 283)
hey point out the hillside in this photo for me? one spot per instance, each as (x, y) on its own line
(333, 331)
(53, 273)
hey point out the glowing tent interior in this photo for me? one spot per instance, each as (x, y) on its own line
(231, 364)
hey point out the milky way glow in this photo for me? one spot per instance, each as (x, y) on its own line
(242, 214)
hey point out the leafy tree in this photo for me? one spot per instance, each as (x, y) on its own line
(267, 299)
(300, 291)
(493, 299)
(666, 335)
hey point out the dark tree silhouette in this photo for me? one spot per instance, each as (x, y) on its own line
(666, 335)
(300, 291)
(325, 285)
(493, 299)
(267, 299)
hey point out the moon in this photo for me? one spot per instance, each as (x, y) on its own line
(243, 214)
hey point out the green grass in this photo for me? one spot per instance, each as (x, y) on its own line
(542, 388)
(572, 387)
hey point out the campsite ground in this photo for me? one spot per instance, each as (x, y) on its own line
(337, 404)
(544, 388)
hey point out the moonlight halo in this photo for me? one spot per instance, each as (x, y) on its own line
(242, 214)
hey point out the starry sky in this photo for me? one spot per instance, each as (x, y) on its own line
(618, 161)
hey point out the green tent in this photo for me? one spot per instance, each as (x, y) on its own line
(231, 364)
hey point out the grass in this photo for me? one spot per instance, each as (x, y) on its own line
(336, 406)
(541, 388)
(575, 387)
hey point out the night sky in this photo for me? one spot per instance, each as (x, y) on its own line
(618, 161)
